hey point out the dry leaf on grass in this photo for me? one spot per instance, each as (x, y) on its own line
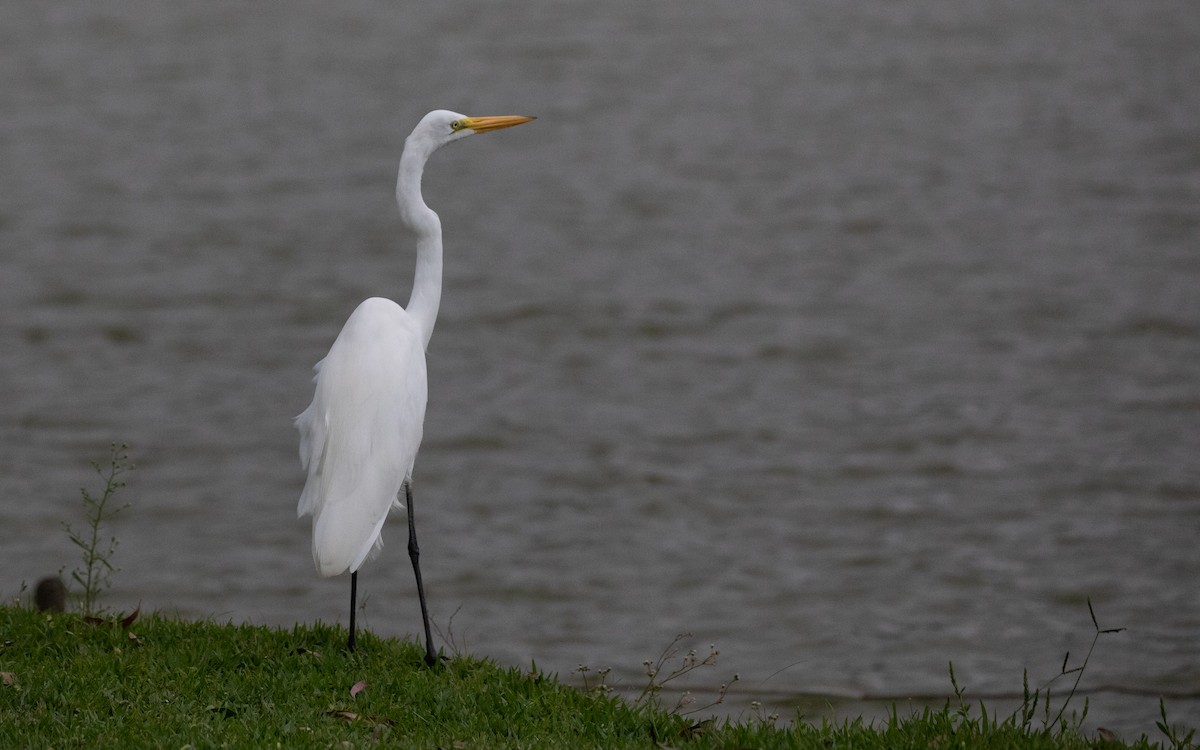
(354, 716)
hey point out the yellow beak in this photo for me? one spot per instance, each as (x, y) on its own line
(484, 124)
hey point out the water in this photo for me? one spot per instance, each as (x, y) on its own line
(851, 338)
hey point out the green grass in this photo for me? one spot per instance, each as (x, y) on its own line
(68, 682)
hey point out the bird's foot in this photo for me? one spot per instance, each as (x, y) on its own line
(433, 660)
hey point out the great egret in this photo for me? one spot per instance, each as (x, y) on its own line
(359, 436)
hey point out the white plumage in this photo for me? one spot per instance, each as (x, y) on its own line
(360, 435)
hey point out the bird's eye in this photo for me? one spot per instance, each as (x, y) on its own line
(457, 125)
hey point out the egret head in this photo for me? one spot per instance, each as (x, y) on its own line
(441, 126)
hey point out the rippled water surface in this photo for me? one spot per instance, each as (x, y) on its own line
(856, 337)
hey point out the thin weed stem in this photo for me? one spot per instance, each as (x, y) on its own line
(97, 554)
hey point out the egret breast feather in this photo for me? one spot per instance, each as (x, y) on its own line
(359, 454)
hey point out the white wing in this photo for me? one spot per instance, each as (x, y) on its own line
(359, 436)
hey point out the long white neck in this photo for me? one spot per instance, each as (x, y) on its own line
(424, 223)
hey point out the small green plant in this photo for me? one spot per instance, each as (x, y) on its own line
(1040, 699)
(600, 686)
(1174, 735)
(656, 679)
(1028, 708)
(97, 554)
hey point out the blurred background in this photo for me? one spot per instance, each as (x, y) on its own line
(853, 338)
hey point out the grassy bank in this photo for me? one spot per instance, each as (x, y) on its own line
(157, 682)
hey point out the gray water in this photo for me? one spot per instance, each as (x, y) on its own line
(852, 338)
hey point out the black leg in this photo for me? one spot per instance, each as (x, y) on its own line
(353, 595)
(414, 553)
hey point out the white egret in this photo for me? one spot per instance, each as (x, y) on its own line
(359, 436)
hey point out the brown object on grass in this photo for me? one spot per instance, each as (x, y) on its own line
(50, 595)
